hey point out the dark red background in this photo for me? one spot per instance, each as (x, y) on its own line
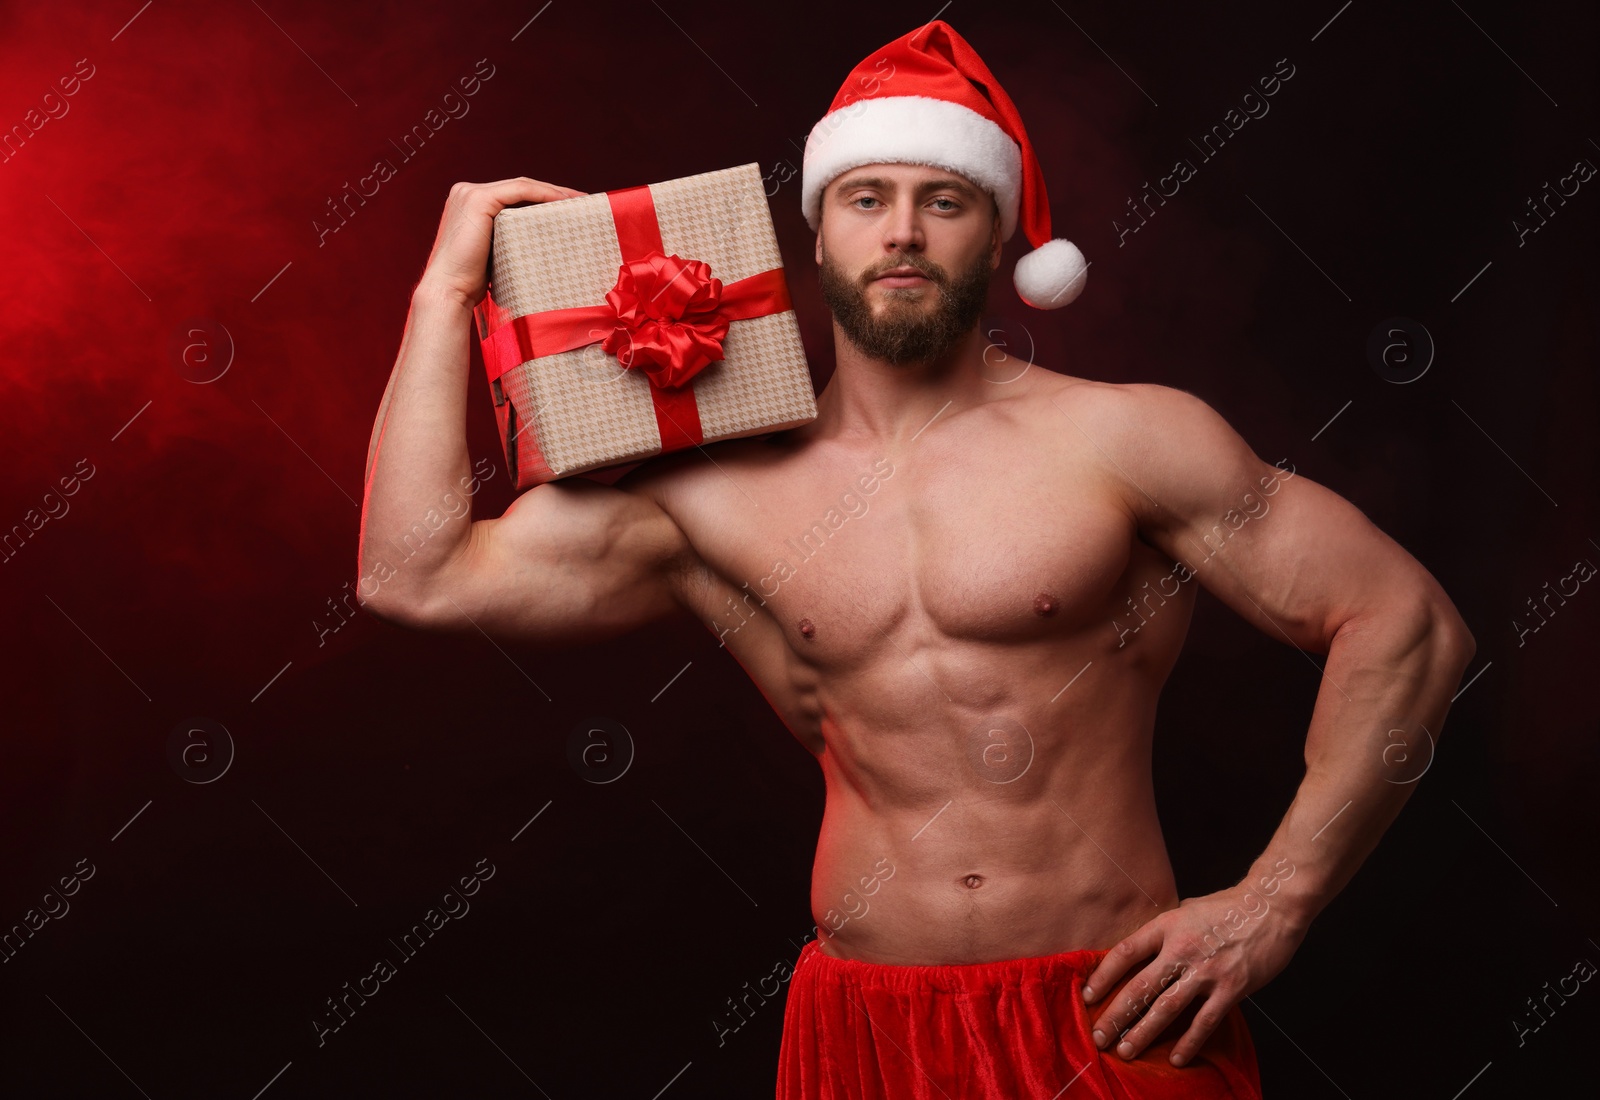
(216, 526)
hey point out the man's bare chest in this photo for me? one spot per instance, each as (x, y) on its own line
(845, 552)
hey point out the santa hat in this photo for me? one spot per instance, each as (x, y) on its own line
(927, 98)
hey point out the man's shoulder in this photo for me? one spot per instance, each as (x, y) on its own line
(1148, 441)
(1118, 407)
(674, 480)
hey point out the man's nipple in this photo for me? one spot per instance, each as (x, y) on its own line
(807, 627)
(1045, 604)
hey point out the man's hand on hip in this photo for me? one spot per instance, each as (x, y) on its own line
(1217, 948)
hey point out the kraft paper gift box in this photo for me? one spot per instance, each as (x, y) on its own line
(633, 323)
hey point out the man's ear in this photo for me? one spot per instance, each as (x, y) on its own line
(818, 251)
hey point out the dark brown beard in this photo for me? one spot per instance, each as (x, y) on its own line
(898, 338)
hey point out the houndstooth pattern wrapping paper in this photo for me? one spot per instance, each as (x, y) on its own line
(580, 410)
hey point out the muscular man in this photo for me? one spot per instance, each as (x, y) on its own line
(962, 588)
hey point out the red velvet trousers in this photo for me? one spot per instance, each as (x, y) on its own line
(1011, 1030)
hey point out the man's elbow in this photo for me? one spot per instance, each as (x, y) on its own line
(1415, 618)
(1450, 644)
(400, 606)
(1432, 619)
(1449, 632)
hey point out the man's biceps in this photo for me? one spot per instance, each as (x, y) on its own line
(1191, 499)
(498, 562)
(1310, 568)
(1316, 522)
(540, 526)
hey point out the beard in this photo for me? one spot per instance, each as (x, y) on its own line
(904, 330)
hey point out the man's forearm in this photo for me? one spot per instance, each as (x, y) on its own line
(1386, 687)
(418, 452)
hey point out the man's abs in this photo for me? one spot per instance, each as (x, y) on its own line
(1009, 830)
(970, 638)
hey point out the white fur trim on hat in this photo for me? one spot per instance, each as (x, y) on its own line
(912, 130)
(1051, 275)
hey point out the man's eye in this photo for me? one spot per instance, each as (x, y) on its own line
(864, 198)
(952, 202)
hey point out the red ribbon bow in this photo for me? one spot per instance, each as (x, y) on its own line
(665, 315)
(668, 318)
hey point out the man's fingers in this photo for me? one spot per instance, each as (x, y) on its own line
(473, 202)
(459, 260)
(1123, 1011)
(502, 193)
(1119, 960)
(1205, 1022)
(1135, 999)
(1162, 1010)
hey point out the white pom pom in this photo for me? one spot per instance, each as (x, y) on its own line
(1051, 275)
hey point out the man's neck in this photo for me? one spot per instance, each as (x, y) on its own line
(872, 400)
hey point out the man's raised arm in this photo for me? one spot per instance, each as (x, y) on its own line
(568, 561)
(1309, 569)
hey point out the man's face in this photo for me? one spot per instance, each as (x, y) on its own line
(936, 224)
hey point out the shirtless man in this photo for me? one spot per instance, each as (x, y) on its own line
(974, 655)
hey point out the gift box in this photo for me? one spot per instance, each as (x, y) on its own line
(633, 323)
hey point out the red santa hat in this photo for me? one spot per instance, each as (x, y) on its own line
(927, 98)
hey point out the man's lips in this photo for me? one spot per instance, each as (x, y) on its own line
(902, 276)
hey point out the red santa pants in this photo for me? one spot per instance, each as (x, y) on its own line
(1016, 1029)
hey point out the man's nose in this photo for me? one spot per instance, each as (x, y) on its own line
(903, 228)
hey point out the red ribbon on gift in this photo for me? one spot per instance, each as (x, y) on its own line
(666, 316)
